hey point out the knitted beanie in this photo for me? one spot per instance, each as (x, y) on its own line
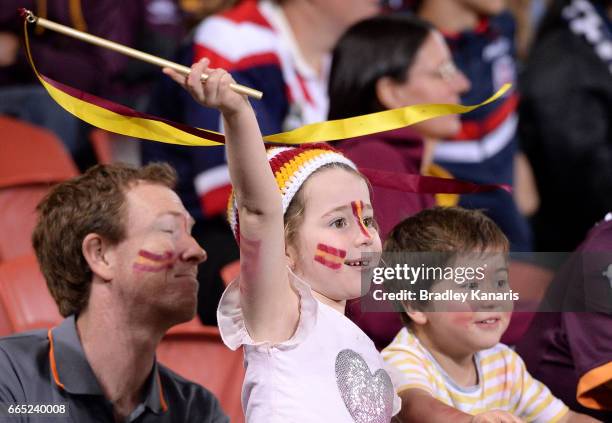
(291, 167)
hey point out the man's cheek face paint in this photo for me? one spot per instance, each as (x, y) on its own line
(151, 262)
(330, 256)
(357, 207)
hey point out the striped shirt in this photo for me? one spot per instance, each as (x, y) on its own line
(255, 42)
(503, 381)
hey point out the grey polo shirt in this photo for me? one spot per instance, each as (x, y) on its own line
(49, 368)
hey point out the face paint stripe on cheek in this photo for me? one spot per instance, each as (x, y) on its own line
(330, 256)
(152, 262)
(156, 257)
(325, 262)
(357, 207)
(331, 250)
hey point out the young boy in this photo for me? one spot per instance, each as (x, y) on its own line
(448, 360)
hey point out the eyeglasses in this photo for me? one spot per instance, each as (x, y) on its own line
(446, 71)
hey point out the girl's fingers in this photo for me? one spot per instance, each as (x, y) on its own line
(175, 76)
(205, 62)
(218, 76)
(226, 79)
(211, 88)
(194, 80)
(210, 92)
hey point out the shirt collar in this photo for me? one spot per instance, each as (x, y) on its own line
(71, 371)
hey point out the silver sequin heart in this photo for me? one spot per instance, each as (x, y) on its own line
(367, 397)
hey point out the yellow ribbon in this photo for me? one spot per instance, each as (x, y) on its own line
(154, 130)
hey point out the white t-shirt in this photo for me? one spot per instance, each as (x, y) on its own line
(329, 371)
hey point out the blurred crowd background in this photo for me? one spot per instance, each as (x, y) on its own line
(550, 137)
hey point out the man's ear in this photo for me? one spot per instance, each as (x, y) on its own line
(390, 93)
(415, 315)
(95, 251)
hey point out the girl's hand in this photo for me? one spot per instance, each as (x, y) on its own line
(215, 92)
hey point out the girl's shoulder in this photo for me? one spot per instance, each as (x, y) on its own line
(232, 324)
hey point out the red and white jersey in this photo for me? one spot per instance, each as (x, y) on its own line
(254, 42)
(257, 35)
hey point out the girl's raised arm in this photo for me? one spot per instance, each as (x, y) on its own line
(270, 306)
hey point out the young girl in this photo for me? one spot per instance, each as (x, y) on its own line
(304, 219)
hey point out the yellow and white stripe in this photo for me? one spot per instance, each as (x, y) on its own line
(504, 383)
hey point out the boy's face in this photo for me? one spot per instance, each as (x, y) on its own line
(338, 226)
(465, 327)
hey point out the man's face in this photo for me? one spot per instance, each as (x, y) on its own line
(157, 262)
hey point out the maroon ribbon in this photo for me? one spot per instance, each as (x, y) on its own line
(427, 184)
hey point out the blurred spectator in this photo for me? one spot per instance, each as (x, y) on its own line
(481, 38)
(566, 120)
(279, 47)
(196, 10)
(527, 14)
(152, 25)
(387, 62)
(571, 350)
(156, 27)
(60, 57)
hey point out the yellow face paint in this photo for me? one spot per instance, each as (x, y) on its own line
(151, 262)
(357, 207)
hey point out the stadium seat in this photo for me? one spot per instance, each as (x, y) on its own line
(114, 148)
(230, 271)
(5, 324)
(32, 160)
(100, 141)
(197, 353)
(25, 297)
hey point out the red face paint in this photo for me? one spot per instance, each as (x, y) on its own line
(151, 262)
(249, 253)
(330, 256)
(357, 207)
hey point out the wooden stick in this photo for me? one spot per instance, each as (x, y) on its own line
(128, 51)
